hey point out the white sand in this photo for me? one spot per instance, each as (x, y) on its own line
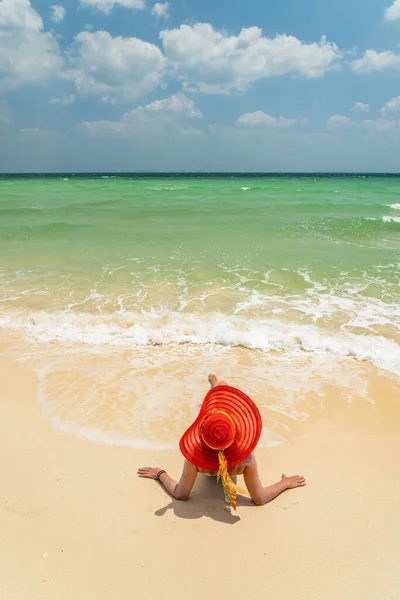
(77, 524)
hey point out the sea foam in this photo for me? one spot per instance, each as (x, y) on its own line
(169, 328)
(388, 219)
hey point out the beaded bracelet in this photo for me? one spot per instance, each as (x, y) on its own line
(160, 473)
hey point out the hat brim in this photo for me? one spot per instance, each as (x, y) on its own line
(246, 417)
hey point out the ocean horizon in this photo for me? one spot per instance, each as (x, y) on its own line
(195, 174)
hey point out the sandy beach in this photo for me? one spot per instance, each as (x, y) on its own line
(77, 523)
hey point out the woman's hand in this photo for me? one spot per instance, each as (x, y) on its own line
(294, 481)
(148, 472)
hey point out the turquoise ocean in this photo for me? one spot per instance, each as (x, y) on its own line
(127, 290)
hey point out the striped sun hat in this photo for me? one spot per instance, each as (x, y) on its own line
(225, 432)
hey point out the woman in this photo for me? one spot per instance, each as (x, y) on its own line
(221, 442)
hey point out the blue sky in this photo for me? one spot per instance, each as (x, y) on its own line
(114, 85)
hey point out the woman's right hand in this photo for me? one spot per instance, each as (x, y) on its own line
(148, 472)
(293, 481)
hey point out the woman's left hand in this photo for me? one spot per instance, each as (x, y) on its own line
(148, 472)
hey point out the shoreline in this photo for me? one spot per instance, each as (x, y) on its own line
(77, 522)
(145, 397)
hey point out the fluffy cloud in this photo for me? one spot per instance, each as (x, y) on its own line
(260, 118)
(160, 9)
(376, 61)
(378, 125)
(19, 14)
(116, 69)
(57, 13)
(212, 62)
(392, 105)
(360, 107)
(27, 53)
(393, 12)
(337, 122)
(178, 105)
(106, 6)
(159, 117)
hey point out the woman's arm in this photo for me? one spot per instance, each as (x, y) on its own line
(261, 495)
(181, 490)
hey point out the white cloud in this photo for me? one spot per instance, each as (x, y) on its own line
(27, 53)
(19, 14)
(160, 9)
(4, 112)
(392, 105)
(360, 107)
(393, 12)
(156, 119)
(212, 62)
(260, 118)
(65, 100)
(57, 13)
(178, 105)
(376, 61)
(378, 125)
(106, 6)
(116, 69)
(337, 122)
